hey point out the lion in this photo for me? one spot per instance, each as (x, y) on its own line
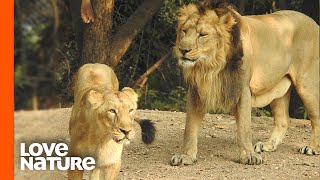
(232, 63)
(102, 121)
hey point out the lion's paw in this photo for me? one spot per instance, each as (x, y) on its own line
(308, 150)
(251, 159)
(182, 159)
(264, 147)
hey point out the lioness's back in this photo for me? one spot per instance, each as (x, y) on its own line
(91, 75)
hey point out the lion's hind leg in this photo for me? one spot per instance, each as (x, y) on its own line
(313, 112)
(280, 112)
(308, 90)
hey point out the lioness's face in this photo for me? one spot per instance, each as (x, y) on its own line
(116, 114)
(120, 115)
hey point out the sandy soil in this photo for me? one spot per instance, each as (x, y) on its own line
(217, 152)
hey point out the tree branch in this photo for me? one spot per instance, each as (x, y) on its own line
(128, 31)
(143, 78)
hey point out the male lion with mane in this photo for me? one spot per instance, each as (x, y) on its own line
(102, 121)
(232, 63)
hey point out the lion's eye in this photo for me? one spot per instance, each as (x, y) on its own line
(113, 111)
(202, 34)
(131, 110)
(184, 31)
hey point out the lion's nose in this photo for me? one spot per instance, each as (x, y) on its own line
(125, 131)
(184, 51)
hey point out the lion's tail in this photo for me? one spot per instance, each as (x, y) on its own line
(148, 130)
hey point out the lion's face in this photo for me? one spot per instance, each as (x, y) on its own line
(114, 112)
(202, 38)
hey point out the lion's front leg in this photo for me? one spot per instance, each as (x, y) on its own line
(193, 122)
(110, 172)
(75, 174)
(243, 117)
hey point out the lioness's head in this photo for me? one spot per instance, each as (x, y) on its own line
(206, 35)
(113, 112)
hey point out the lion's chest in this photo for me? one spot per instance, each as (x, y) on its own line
(108, 153)
(218, 93)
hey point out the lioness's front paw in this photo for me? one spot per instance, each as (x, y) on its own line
(182, 159)
(264, 147)
(308, 150)
(251, 159)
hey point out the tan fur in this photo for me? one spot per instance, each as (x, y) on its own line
(273, 53)
(207, 72)
(101, 120)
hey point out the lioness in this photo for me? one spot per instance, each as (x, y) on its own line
(102, 121)
(232, 63)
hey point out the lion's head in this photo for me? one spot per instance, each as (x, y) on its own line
(113, 112)
(207, 36)
(209, 50)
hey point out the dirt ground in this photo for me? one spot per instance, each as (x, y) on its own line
(217, 149)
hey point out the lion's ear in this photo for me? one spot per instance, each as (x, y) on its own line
(228, 20)
(130, 93)
(186, 11)
(95, 99)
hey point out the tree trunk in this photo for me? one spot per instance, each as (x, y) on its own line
(127, 32)
(97, 35)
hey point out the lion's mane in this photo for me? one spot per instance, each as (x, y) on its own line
(216, 84)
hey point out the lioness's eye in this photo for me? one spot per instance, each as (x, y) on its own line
(112, 111)
(131, 110)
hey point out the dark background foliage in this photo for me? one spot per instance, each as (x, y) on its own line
(46, 56)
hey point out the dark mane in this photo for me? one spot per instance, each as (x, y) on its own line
(225, 82)
(235, 55)
(236, 52)
(222, 7)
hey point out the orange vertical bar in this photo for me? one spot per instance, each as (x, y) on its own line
(6, 90)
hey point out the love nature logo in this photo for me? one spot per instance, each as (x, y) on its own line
(32, 158)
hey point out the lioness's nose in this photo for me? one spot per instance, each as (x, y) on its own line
(125, 131)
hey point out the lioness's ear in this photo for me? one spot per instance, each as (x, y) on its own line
(228, 20)
(130, 93)
(95, 99)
